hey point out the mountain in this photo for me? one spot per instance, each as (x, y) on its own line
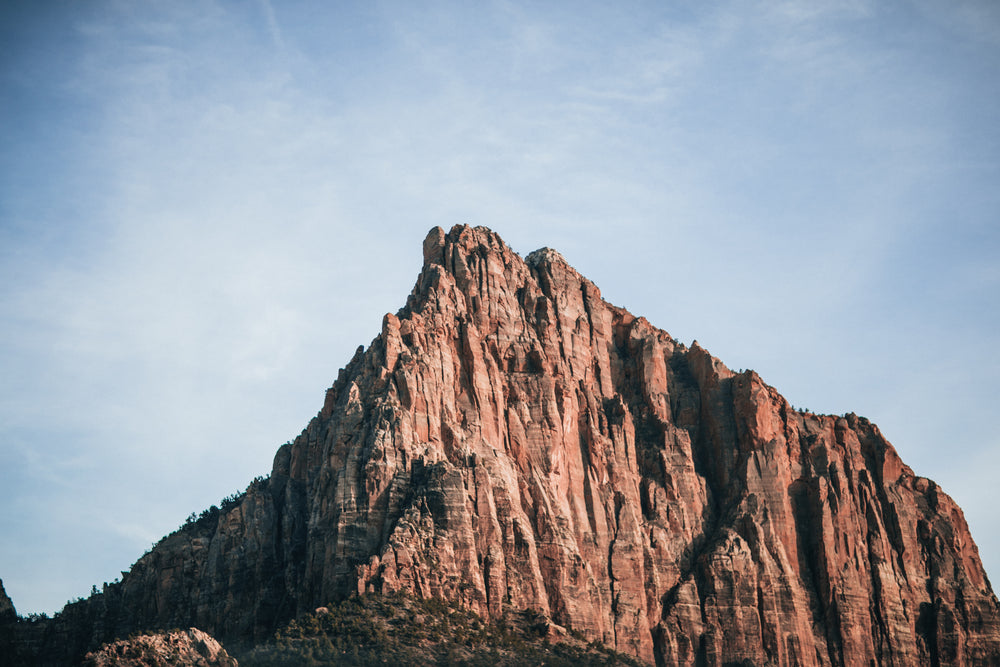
(512, 441)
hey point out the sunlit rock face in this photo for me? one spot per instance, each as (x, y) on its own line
(510, 439)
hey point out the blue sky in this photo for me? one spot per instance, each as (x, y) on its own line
(206, 207)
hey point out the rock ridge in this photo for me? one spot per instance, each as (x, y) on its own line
(510, 440)
(190, 647)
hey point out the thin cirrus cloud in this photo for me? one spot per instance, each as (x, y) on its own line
(205, 209)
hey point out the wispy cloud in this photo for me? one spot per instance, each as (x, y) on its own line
(272, 24)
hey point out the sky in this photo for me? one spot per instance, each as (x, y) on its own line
(205, 207)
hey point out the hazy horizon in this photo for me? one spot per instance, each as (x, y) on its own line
(205, 208)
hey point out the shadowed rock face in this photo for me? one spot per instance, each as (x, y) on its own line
(511, 439)
(7, 611)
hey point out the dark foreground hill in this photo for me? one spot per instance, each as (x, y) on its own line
(375, 630)
(511, 441)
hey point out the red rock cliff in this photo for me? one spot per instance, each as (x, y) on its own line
(511, 439)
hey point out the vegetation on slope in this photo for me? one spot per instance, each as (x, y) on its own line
(401, 630)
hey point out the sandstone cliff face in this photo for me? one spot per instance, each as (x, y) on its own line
(512, 440)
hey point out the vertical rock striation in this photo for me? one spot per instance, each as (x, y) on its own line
(512, 440)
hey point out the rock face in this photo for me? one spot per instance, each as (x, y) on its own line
(512, 440)
(188, 647)
(7, 611)
(8, 630)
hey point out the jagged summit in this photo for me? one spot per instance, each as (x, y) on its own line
(510, 441)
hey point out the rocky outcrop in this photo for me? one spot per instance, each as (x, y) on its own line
(7, 611)
(181, 647)
(8, 630)
(511, 440)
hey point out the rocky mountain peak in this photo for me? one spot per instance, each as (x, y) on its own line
(510, 441)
